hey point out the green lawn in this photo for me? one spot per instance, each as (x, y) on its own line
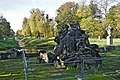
(48, 44)
(102, 42)
(7, 44)
(12, 69)
(35, 42)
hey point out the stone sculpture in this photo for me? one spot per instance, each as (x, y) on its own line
(109, 37)
(73, 43)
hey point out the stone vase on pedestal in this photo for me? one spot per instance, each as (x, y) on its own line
(109, 37)
(109, 40)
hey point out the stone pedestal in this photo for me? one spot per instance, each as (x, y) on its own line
(109, 40)
(99, 37)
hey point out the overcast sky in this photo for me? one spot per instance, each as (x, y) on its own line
(15, 10)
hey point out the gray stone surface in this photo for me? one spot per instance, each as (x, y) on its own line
(72, 44)
(109, 37)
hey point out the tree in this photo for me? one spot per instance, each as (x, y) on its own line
(19, 33)
(66, 14)
(25, 21)
(104, 5)
(28, 30)
(5, 30)
(32, 23)
(48, 27)
(38, 25)
(39, 22)
(113, 19)
(93, 7)
(86, 17)
(52, 30)
(95, 11)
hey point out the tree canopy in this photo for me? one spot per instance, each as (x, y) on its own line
(90, 17)
(38, 25)
(5, 29)
(113, 18)
(66, 14)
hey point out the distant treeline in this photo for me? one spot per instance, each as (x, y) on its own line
(93, 18)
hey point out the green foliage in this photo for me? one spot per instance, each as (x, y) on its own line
(87, 15)
(38, 25)
(8, 43)
(66, 14)
(93, 7)
(26, 31)
(83, 14)
(19, 33)
(113, 19)
(92, 27)
(5, 30)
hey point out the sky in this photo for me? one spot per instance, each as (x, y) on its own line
(15, 10)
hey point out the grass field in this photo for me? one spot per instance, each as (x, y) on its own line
(12, 69)
(35, 42)
(8, 43)
(103, 42)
